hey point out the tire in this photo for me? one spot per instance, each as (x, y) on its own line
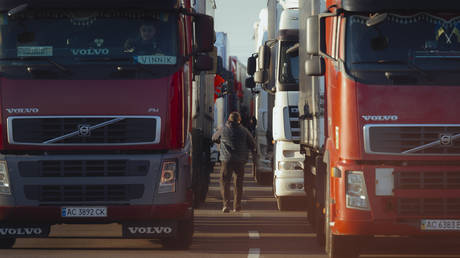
(183, 238)
(337, 246)
(7, 243)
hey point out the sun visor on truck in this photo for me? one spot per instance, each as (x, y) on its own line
(6, 5)
(408, 5)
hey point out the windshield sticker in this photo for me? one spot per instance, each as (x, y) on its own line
(90, 51)
(35, 51)
(148, 60)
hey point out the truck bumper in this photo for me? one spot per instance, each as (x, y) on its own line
(403, 200)
(115, 214)
(289, 183)
(390, 228)
(150, 222)
(121, 188)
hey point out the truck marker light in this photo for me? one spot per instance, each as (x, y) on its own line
(337, 137)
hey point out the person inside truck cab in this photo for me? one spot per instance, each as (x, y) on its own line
(145, 43)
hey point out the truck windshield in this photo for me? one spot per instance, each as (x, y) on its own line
(417, 49)
(289, 63)
(79, 40)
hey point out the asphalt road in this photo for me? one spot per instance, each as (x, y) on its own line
(259, 230)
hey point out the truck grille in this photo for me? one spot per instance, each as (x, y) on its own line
(83, 193)
(428, 207)
(403, 139)
(427, 180)
(294, 122)
(83, 168)
(89, 130)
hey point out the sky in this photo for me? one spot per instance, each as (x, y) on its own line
(237, 18)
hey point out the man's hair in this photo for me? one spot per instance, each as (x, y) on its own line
(234, 117)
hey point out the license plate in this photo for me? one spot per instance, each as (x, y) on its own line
(440, 224)
(84, 212)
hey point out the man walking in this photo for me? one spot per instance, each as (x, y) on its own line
(235, 143)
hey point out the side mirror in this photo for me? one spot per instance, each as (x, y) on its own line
(264, 58)
(203, 63)
(249, 83)
(315, 66)
(261, 76)
(251, 67)
(205, 36)
(313, 35)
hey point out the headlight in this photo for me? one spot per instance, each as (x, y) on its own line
(290, 165)
(356, 191)
(168, 177)
(4, 182)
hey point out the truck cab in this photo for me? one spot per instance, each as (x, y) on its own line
(278, 66)
(95, 117)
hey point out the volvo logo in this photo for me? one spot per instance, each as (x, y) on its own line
(445, 139)
(84, 130)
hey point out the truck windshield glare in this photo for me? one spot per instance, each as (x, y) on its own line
(70, 36)
(420, 42)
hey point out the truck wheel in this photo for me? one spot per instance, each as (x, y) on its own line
(7, 243)
(183, 238)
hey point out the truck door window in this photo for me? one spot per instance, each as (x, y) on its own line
(289, 63)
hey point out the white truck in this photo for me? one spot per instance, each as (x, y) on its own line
(278, 66)
(263, 108)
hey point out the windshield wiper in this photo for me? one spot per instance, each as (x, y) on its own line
(401, 62)
(49, 60)
(104, 59)
(121, 68)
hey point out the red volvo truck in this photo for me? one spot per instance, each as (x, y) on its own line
(380, 127)
(96, 115)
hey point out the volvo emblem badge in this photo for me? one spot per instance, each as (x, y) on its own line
(446, 139)
(84, 130)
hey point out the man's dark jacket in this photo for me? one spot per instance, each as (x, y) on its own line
(235, 142)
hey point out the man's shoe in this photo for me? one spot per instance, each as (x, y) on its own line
(225, 209)
(237, 209)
